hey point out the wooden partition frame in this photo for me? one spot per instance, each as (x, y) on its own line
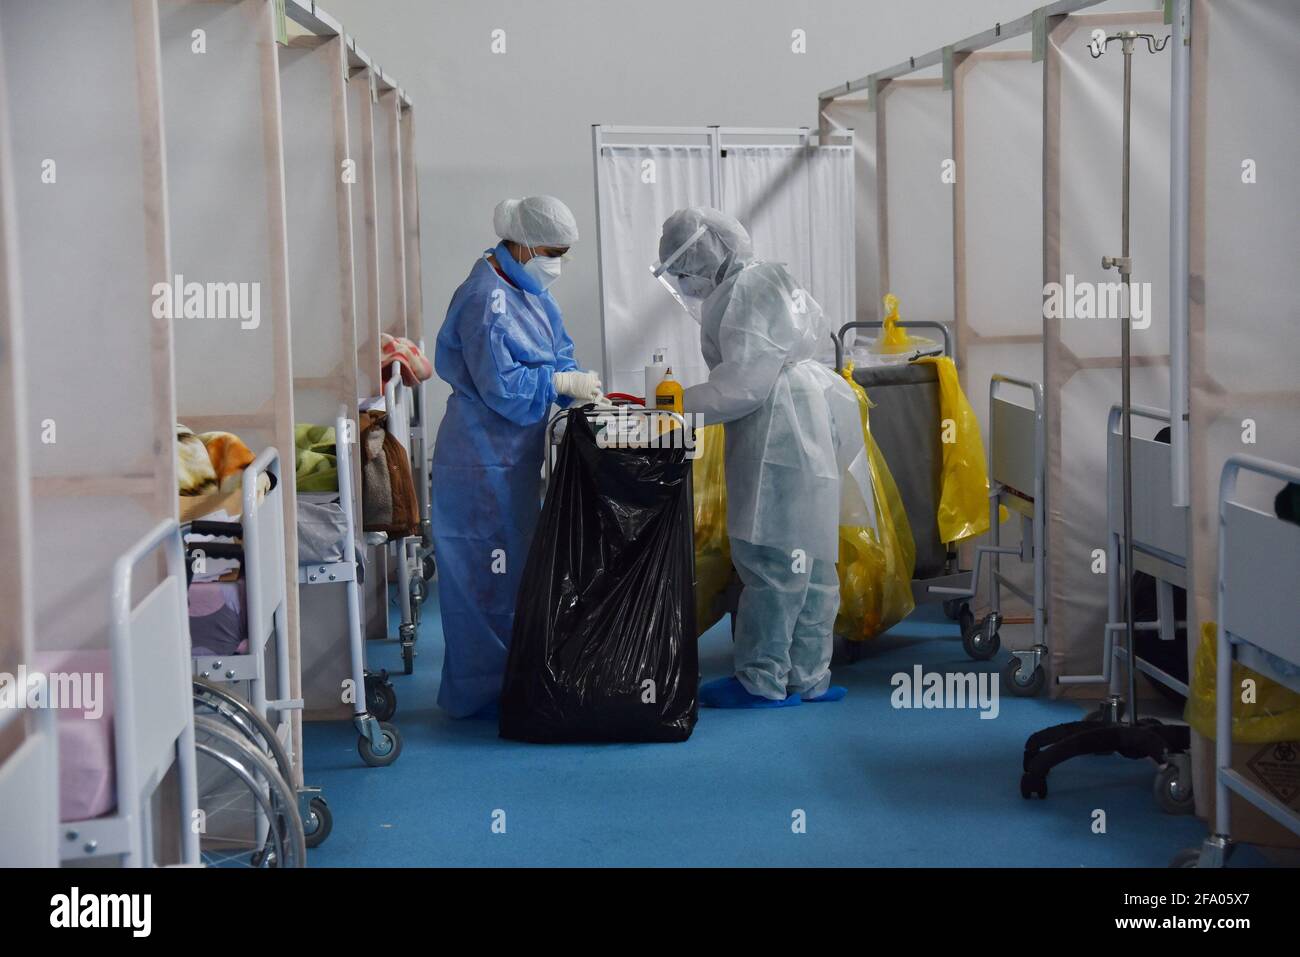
(226, 186)
(411, 222)
(16, 633)
(314, 114)
(365, 235)
(92, 219)
(391, 207)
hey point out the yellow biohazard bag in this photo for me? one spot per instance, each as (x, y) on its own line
(712, 546)
(875, 566)
(964, 497)
(1271, 714)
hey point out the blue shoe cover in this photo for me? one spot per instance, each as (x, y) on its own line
(728, 692)
(833, 693)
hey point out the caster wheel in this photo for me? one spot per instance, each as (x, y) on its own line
(1016, 683)
(1173, 795)
(965, 620)
(318, 823)
(1191, 857)
(952, 608)
(381, 699)
(408, 658)
(981, 642)
(1029, 786)
(391, 741)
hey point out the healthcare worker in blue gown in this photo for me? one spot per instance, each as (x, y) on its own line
(504, 350)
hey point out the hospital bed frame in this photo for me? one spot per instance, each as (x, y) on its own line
(379, 742)
(405, 415)
(1017, 480)
(1259, 605)
(153, 720)
(29, 792)
(261, 531)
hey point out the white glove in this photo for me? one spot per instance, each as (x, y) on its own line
(583, 386)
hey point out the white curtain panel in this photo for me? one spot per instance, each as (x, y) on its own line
(1245, 301)
(853, 115)
(916, 117)
(638, 188)
(797, 204)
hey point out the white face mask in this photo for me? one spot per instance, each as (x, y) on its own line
(544, 269)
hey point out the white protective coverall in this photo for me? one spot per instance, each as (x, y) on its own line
(793, 438)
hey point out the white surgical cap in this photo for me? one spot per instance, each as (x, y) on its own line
(720, 250)
(535, 221)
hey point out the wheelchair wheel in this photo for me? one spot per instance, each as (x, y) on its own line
(249, 814)
(213, 700)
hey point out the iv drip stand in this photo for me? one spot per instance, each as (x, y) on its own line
(1108, 730)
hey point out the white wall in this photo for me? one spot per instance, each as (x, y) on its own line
(491, 125)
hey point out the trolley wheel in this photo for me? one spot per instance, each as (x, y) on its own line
(981, 642)
(1189, 857)
(381, 698)
(392, 740)
(1017, 684)
(965, 620)
(1031, 785)
(427, 570)
(319, 823)
(408, 657)
(952, 607)
(1173, 794)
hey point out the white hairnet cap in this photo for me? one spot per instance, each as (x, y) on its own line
(535, 221)
(721, 249)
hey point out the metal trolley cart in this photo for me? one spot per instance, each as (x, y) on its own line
(1259, 604)
(906, 398)
(403, 406)
(1017, 460)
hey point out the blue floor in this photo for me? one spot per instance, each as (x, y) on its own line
(877, 786)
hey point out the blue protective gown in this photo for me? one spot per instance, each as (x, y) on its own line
(498, 348)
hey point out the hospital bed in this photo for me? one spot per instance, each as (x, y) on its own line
(151, 722)
(1259, 605)
(29, 792)
(230, 642)
(1017, 481)
(379, 742)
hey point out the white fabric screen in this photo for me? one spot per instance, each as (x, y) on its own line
(998, 215)
(797, 203)
(91, 245)
(638, 314)
(914, 140)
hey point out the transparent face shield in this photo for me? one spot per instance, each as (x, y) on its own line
(682, 288)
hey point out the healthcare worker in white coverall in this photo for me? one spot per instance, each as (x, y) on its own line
(793, 431)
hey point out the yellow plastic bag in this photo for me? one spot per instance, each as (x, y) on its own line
(712, 546)
(875, 566)
(964, 499)
(1273, 715)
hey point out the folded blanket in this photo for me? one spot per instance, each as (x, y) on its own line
(315, 462)
(414, 365)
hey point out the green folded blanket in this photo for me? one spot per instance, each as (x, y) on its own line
(316, 463)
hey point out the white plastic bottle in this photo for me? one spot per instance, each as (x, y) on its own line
(654, 374)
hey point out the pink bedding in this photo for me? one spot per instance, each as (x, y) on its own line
(85, 740)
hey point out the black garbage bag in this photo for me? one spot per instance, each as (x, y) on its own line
(603, 647)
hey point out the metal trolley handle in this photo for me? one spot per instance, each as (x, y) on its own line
(592, 412)
(838, 337)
